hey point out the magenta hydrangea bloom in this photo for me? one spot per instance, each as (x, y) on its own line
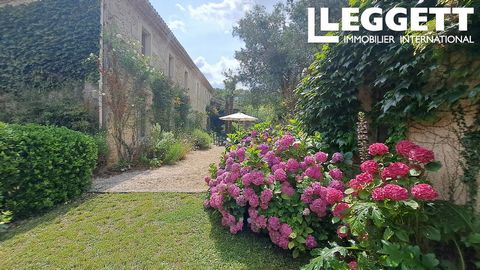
(309, 160)
(287, 189)
(424, 192)
(378, 149)
(265, 198)
(378, 194)
(274, 223)
(421, 155)
(314, 172)
(369, 166)
(321, 157)
(337, 157)
(336, 184)
(319, 207)
(292, 165)
(404, 147)
(395, 170)
(280, 175)
(339, 209)
(395, 192)
(334, 196)
(336, 174)
(310, 242)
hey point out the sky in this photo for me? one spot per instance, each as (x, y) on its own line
(204, 28)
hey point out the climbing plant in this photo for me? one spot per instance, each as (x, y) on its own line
(44, 51)
(47, 42)
(396, 83)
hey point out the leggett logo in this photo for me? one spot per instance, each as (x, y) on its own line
(396, 19)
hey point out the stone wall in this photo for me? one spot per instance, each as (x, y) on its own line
(135, 18)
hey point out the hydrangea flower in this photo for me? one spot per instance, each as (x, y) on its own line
(339, 209)
(421, 155)
(369, 166)
(395, 170)
(395, 192)
(424, 192)
(377, 149)
(336, 174)
(310, 242)
(337, 157)
(321, 157)
(404, 147)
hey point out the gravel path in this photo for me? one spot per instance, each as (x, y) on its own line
(185, 176)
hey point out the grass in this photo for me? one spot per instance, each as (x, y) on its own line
(135, 231)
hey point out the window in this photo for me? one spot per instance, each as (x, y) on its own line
(170, 66)
(185, 80)
(146, 43)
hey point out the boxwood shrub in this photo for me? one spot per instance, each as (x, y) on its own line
(42, 166)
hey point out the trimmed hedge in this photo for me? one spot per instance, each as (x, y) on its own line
(42, 166)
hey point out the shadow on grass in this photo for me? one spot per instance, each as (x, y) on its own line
(252, 250)
(23, 226)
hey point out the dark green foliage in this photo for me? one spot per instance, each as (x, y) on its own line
(47, 41)
(43, 166)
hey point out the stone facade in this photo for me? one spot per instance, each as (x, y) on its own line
(138, 20)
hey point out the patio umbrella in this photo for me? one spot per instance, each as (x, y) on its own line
(238, 117)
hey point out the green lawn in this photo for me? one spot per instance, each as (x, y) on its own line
(135, 231)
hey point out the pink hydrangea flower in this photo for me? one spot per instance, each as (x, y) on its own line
(309, 160)
(339, 209)
(395, 170)
(337, 157)
(265, 198)
(378, 194)
(378, 149)
(424, 192)
(274, 223)
(287, 189)
(395, 192)
(292, 165)
(321, 157)
(421, 155)
(241, 200)
(334, 196)
(337, 185)
(306, 212)
(234, 229)
(280, 175)
(336, 174)
(352, 265)
(310, 242)
(314, 172)
(234, 191)
(285, 230)
(319, 207)
(369, 166)
(404, 147)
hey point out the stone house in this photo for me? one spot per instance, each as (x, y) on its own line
(133, 19)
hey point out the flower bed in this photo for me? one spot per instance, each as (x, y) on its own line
(273, 182)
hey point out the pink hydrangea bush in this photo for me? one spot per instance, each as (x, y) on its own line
(272, 183)
(387, 203)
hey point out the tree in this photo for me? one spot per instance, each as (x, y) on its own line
(276, 51)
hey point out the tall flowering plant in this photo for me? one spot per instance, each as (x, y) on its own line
(389, 215)
(272, 182)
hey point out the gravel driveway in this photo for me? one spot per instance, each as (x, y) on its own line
(185, 176)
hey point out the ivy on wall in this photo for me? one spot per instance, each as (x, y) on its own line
(47, 41)
(401, 82)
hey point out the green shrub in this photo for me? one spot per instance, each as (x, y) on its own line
(42, 166)
(201, 139)
(164, 148)
(176, 152)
